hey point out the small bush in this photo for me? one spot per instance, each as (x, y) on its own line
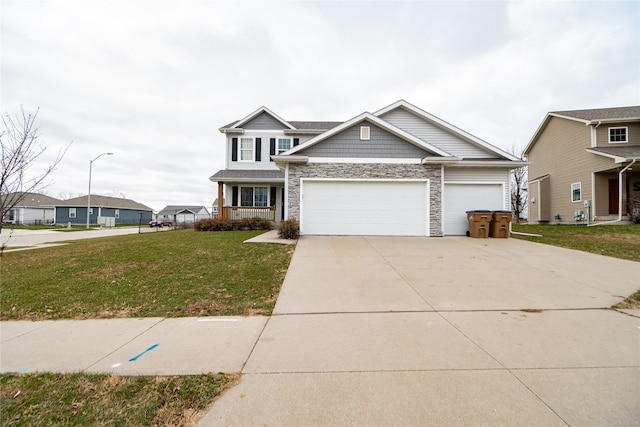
(218, 224)
(289, 229)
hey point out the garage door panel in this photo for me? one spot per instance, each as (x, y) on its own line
(459, 198)
(364, 208)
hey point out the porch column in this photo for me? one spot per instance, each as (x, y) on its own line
(220, 200)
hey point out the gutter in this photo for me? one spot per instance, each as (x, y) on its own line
(619, 197)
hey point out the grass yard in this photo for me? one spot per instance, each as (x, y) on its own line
(619, 241)
(105, 400)
(181, 273)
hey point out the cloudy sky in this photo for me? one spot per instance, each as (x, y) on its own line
(152, 81)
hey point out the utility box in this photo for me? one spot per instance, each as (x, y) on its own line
(479, 223)
(500, 224)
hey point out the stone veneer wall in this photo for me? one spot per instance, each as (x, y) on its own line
(370, 171)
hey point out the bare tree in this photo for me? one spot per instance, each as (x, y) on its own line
(21, 147)
(519, 187)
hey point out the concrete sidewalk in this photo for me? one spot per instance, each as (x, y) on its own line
(149, 346)
(402, 331)
(391, 331)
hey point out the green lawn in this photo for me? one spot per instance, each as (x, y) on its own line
(619, 241)
(105, 400)
(180, 273)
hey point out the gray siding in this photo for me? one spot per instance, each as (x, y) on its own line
(264, 121)
(369, 171)
(382, 144)
(434, 135)
(127, 216)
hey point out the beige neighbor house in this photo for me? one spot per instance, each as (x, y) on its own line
(584, 166)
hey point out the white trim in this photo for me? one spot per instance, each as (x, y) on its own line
(593, 196)
(253, 149)
(365, 133)
(278, 152)
(256, 113)
(579, 200)
(360, 160)
(442, 196)
(616, 159)
(594, 136)
(286, 191)
(426, 181)
(626, 134)
(489, 163)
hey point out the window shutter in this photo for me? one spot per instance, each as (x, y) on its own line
(234, 195)
(258, 149)
(296, 141)
(234, 149)
(273, 196)
(272, 149)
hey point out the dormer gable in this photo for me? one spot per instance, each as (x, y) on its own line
(260, 119)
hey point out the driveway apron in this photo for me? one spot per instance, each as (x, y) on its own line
(445, 331)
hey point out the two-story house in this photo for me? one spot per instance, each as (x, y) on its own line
(398, 171)
(251, 181)
(584, 165)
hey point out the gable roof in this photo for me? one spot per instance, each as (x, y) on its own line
(589, 117)
(378, 122)
(602, 114)
(180, 209)
(618, 154)
(105, 202)
(293, 127)
(29, 199)
(238, 125)
(447, 127)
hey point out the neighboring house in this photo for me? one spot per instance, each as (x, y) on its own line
(103, 210)
(583, 165)
(214, 208)
(398, 171)
(31, 209)
(179, 214)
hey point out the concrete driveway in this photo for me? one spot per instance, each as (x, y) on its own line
(443, 331)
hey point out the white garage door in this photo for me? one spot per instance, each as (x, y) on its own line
(383, 208)
(459, 198)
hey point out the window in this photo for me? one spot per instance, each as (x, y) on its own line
(283, 144)
(117, 213)
(618, 135)
(246, 149)
(365, 133)
(254, 196)
(576, 192)
(72, 212)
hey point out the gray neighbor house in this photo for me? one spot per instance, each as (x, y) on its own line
(118, 210)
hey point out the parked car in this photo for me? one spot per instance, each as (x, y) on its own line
(160, 222)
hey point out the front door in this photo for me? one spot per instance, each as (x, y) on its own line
(613, 197)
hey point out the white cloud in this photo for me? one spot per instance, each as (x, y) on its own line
(153, 81)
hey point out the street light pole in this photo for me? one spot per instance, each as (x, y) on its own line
(89, 194)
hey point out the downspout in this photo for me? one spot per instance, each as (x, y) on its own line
(619, 195)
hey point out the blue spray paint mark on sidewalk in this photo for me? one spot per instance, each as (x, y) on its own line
(133, 359)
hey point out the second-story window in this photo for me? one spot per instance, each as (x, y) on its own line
(618, 135)
(284, 144)
(246, 149)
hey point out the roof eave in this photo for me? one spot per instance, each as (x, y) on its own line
(512, 164)
(616, 159)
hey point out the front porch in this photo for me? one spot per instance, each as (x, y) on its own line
(240, 212)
